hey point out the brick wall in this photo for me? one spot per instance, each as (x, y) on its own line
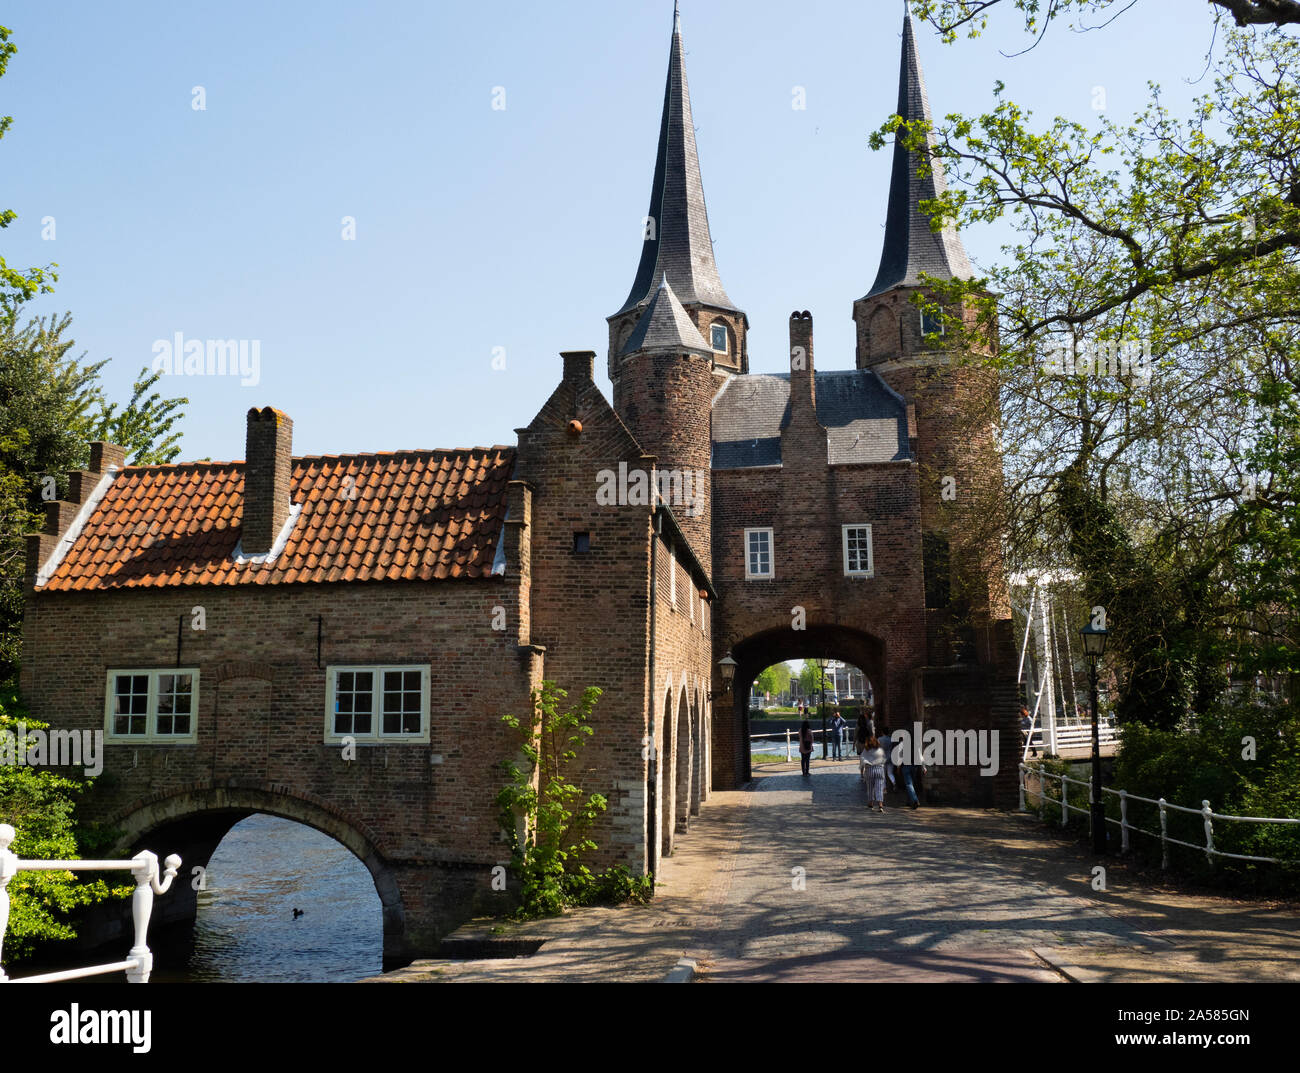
(428, 810)
(877, 622)
(590, 610)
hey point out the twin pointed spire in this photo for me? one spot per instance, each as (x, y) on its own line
(910, 246)
(677, 241)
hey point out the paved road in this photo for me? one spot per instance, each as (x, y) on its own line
(816, 879)
(795, 880)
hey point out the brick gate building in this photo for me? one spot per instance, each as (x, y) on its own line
(335, 639)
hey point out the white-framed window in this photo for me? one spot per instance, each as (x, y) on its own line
(857, 551)
(691, 596)
(672, 576)
(931, 325)
(150, 705)
(758, 553)
(718, 337)
(381, 703)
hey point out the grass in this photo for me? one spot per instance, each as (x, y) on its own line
(767, 758)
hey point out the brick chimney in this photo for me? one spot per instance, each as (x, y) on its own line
(268, 466)
(579, 365)
(803, 390)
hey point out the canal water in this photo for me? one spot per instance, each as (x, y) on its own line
(264, 869)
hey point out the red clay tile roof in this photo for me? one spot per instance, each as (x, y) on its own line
(408, 515)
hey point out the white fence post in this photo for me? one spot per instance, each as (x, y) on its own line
(1123, 821)
(788, 756)
(1206, 812)
(8, 869)
(146, 886)
(1164, 835)
(143, 866)
(1209, 831)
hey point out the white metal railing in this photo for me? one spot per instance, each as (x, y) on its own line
(846, 740)
(1207, 814)
(1071, 733)
(143, 866)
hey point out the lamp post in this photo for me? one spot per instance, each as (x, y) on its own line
(1094, 647)
(821, 665)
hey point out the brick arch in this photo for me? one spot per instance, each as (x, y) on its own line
(683, 758)
(225, 672)
(864, 650)
(699, 737)
(884, 338)
(193, 821)
(707, 332)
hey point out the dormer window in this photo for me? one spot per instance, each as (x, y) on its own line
(718, 338)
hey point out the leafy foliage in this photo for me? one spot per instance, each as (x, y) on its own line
(1172, 495)
(950, 16)
(813, 678)
(39, 805)
(546, 816)
(52, 407)
(16, 286)
(774, 680)
(1215, 765)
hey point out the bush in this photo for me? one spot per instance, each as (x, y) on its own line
(546, 816)
(1245, 760)
(39, 804)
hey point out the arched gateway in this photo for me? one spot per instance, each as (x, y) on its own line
(762, 650)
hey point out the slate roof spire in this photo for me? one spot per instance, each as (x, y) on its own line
(910, 246)
(665, 327)
(680, 244)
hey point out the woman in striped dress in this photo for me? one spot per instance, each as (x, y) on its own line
(873, 760)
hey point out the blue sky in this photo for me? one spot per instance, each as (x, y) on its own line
(476, 228)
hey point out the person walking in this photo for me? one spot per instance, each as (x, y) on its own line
(887, 743)
(910, 771)
(873, 760)
(862, 733)
(805, 746)
(837, 734)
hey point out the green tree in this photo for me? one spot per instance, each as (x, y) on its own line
(39, 805)
(774, 680)
(1169, 486)
(812, 678)
(950, 16)
(16, 286)
(52, 406)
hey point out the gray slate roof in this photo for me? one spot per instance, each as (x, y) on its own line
(865, 421)
(910, 246)
(681, 246)
(666, 328)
